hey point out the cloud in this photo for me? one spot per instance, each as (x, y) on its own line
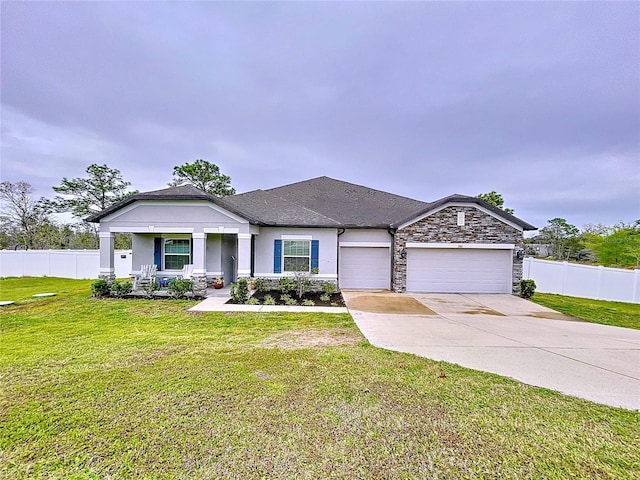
(538, 101)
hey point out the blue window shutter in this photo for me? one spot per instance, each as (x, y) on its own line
(277, 256)
(157, 252)
(315, 247)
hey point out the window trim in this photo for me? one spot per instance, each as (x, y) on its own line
(164, 252)
(284, 256)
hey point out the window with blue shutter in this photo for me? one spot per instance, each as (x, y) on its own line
(277, 256)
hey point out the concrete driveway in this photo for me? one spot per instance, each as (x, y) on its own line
(509, 336)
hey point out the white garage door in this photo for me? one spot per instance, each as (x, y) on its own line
(448, 270)
(365, 267)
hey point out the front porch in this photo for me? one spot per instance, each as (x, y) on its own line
(214, 255)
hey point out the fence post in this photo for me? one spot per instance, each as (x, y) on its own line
(635, 296)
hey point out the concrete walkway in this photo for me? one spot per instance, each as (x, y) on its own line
(509, 336)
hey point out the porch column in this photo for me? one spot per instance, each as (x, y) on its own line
(199, 264)
(244, 255)
(107, 270)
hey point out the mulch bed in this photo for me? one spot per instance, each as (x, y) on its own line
(335, 301)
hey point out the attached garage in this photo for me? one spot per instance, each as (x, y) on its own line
(367, 268)
(462, 269)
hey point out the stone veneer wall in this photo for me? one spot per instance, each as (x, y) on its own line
(442, 227)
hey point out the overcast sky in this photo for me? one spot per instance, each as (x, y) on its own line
(538, 101)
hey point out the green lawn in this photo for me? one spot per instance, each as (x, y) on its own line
(595, 311)
(142, 388)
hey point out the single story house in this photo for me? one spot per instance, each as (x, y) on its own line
(356, 236)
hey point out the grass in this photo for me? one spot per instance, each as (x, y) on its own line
(618, 314)
(142, 388)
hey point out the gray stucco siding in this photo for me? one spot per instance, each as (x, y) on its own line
(195, 216)
(365, 236)
(142, 250)
(264, 248)
(214, 254)
(442, 227)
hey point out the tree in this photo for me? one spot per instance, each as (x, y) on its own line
(203, 175)
(495, 199)
(563, 237)
(22, 215)
(104, 186)
(621, 247)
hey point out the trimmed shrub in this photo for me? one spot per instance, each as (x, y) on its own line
(120, 289)
(328, 288)
(262, 284)
(253, 301)
(308, 303)
(150, 288)
(240, 291)
(100, 288)
(325, 297)
(180, 288)
(286, 285)
(527, 288)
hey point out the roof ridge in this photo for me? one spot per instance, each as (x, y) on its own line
(346, 183)
(298, 182)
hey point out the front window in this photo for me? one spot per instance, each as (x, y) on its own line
(296, 255)
(177, 253)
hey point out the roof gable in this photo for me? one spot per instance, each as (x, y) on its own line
(182, 192)
(438, 205)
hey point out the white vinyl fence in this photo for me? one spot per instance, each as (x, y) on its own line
(585, 281)
(60, 263)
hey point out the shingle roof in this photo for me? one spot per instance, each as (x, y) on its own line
(319, 202)
(348, 204)
(269, 209)
(324, 202)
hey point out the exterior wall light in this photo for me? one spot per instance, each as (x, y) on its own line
(403, 253)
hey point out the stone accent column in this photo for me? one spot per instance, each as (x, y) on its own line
(199, 277)
(516, 274)
(399, 263)
(107, 269)
(199, 285)
(244, 255)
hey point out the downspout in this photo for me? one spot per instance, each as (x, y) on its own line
(340, 232)
(392, 232)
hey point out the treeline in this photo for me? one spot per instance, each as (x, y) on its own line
(29, 223)
(610, 246)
